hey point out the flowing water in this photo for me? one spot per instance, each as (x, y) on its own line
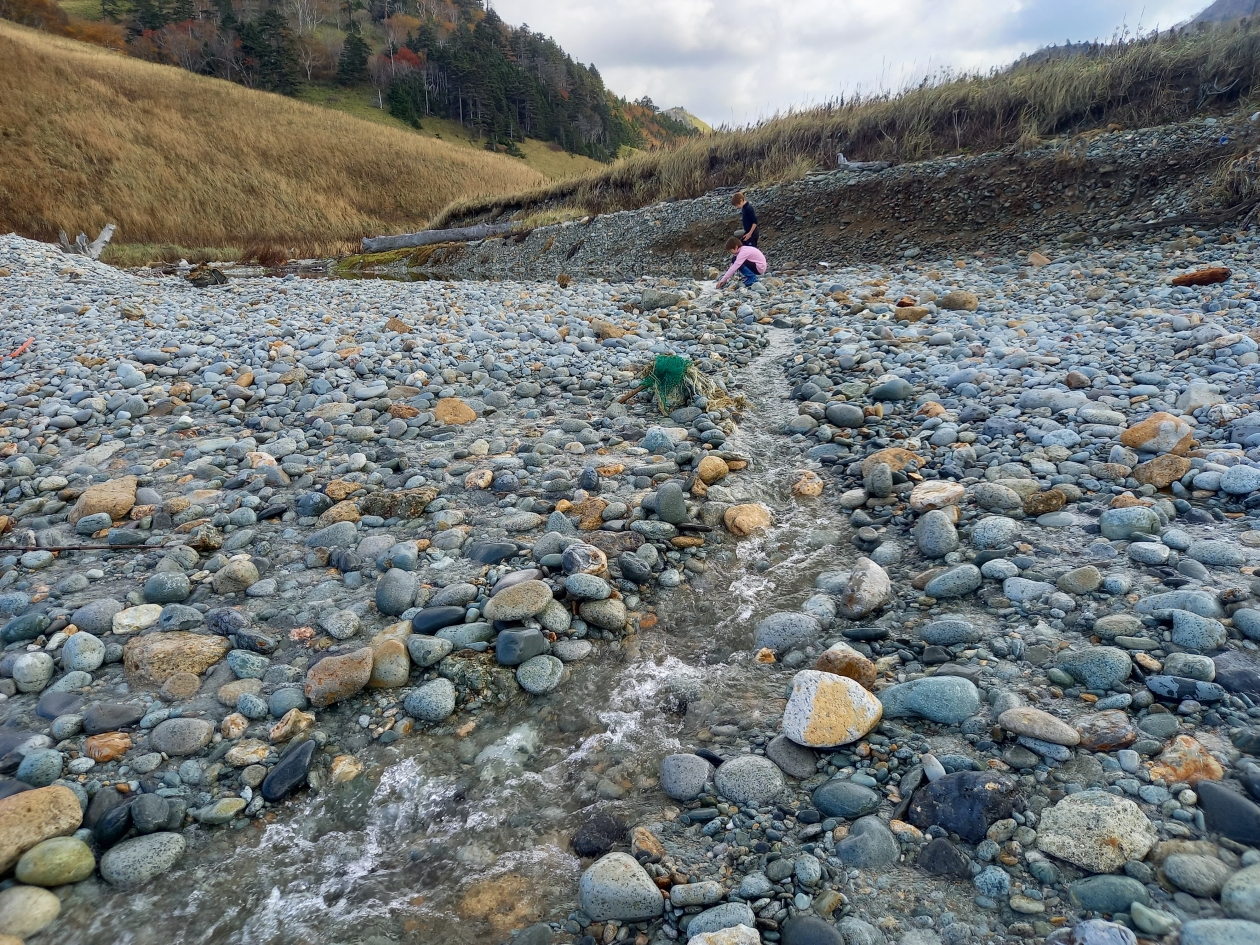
(461, 839)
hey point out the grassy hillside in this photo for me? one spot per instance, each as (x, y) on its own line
(89, 137)
(547, 158)
(1141, 83)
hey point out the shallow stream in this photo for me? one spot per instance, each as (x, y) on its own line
(460, 838)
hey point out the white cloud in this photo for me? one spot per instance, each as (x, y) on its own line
(735, 61)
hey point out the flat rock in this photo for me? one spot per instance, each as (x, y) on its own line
(1096, 831)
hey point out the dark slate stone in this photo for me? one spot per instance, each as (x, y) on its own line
(1247, 739)
(1228, 812)
(150, 812)
(1238, 672)
(634, 568)
(432, 619)
(965, 803)
(514, 647)
(845, 799)
(103, 801)
(1178, 687)
(53, 704)
(290, 772)
(25, 627)
(942, 858)
(793, 759)
(311, 504)
(112, 826)
(491, 552)
(810, 930)
(598, 834)
(225, 621)
(255, 641)
(111, 717)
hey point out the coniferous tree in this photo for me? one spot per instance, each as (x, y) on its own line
(352, 66)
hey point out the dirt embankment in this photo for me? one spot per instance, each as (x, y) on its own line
(1096, 187)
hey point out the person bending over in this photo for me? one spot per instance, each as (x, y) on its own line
(749, 262)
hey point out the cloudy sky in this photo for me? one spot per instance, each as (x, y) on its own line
(736, 61)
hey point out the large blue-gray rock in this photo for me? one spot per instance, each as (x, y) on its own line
(683, 776)
(1109, 894)
(167, 587)
(956, 582)
(1248, 622)
(396, 591)
(935, 534)
(428, 651)
(540, 674)
(616, 887)
(1197, 602)
(994, 531)
(97, 617)
(1240, 480)
(337, 535)
(845, 799)
(513, 647)
(83, 652)
(1220, 554)
(137, 861)
(786, 631)
(432, 702)
(1119, 524)
(1197, 634)
(869, 845)
(1240, 896)
(749, 781)
(949, 631)
(1099, 667)
(943, 699)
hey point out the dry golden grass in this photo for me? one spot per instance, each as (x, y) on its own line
(1134, 84)
(89, 137)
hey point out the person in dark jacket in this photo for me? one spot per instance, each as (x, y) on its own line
(752, 230)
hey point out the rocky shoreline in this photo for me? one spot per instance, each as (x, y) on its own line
(979, 532)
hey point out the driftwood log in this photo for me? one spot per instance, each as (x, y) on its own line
(381, 244)
(81, 247)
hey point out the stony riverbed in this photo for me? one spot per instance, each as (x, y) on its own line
(366, 612)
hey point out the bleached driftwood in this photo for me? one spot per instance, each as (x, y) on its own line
(81, 247)
(381, 244)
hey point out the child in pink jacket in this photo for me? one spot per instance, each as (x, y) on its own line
(749, 262)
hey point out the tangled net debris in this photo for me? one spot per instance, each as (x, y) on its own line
(676, 381)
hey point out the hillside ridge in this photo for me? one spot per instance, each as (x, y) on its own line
(90, 137)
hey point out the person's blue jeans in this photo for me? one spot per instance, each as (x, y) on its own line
(749, 272)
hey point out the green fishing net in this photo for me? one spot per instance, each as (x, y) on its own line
(666, 376)
(675, 381)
